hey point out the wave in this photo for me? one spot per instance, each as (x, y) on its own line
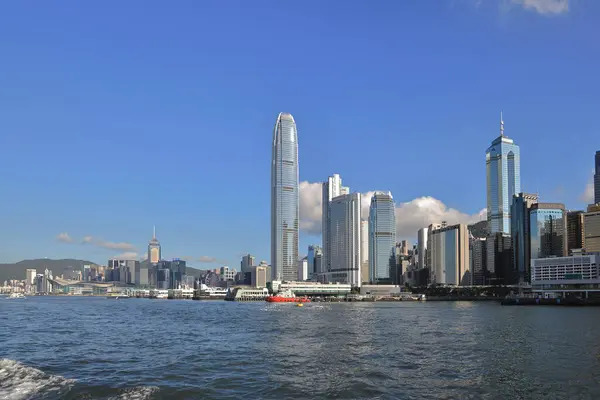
(136, 393)
(20, 382)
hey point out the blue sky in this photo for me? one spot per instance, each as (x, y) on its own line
(117, 116)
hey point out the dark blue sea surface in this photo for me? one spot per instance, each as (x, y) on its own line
(96, 348)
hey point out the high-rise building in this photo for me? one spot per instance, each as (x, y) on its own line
(520, 233)
(284, 199)
(422, 248)
(259, 277)
(313, 251)
(303, 269)
(344, 232)
(154, 250)
(30, 276)
(247, 263)
(404, 247)
(382, 237)
(478, 258)
(597, 179)
(331, 188)
(575, 230)
(503, 175)
(449, 248)
(500, 260)
(364, 251)
(548, 226)
(591, 229)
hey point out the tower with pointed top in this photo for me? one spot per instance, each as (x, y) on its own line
(285, 211)
(154, 251)
(503, 176)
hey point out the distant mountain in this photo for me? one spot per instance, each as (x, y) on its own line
(17, 270)
(479, 229)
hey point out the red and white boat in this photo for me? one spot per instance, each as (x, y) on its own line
(287, 297)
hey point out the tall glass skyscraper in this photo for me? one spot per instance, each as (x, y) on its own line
(382, 237)
(284, 199)
(548, 225)
(597, 179)
(503, 172)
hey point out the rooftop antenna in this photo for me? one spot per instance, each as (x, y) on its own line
(501, 125)
(154, 232)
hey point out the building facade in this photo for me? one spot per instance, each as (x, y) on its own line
(500, 260)
(520, 233)
(597, 179)
(575, 230)
(303, 269)
(591, 229)
(344, 232)
(284, 199)
(364, 251)
(548, 227)
(382, 237)
(247, 263)
(422, 248)
(330, 189)
(314, 251)
(154, 249)
(503, 176)
(478, 259)
(566, 274)
(449, 248)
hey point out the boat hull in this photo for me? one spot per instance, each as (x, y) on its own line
(276, 299)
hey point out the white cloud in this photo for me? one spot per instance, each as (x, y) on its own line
(123, 246)
(64, 238)
(588, 194)
(207, 259)
(544, 7)
(310, 207)
(410, 216)
(128, 255)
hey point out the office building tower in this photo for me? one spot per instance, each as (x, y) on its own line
(548, 226)
(404, 247)
(154, 250)
(364, 251)
(422, 248)
(449, 248)
(313, 251)
(382, 237)
(591, 229)
(500, 260)
(503, 175)
(247, 263)
(597, 179)
(259, 277)
(284, 199)
(478, 258)
(178, 273)
(30, 276)
(330, 189)
(344, 233)
(303, 269)
(520, 233)
(575, 230)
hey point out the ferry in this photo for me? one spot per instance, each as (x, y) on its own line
(16, 295)
(287, 297)
(117, 296)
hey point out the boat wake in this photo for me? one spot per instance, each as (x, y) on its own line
(18, 381)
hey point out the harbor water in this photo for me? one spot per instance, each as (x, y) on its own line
(98, 348)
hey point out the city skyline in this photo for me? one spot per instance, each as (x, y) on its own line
(81, 170)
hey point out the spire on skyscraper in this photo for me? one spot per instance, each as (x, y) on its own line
(154, 232)
(501, 125)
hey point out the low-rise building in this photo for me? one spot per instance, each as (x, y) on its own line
(576, 273)
(312, 288)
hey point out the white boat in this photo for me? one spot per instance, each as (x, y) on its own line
(15, 295)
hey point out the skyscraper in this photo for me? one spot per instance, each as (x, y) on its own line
(422, 248)
(520, 234)
(154, 250)
(345, 257)
(548, 226)
(449, 249)
(382, 237)
(364, 251)
(284, 199)
(331, 188)
(597, 179)
(503, 175)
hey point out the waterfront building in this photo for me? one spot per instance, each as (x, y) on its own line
(382, 237)
(597, 179)
(154, 249)
(520, 233)
(330, 189)
(500, 260)
(503, 176)
(548, 227)
(478, 258)
(312, 288)
(380, 290)
(259, 277)
(364, 251)
(428, 260)
(344, 236)
(577, 273)
(303, 269)
(591, 229)
(284, 199)
(178, 270)
(575, 230)
(449, 248)
(121, 270)
(227, 274)
(30, 276)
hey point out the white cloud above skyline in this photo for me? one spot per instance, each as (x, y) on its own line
(544, 7)
(410, 216)
(128, 255)
(64, 238)
(588, 193)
